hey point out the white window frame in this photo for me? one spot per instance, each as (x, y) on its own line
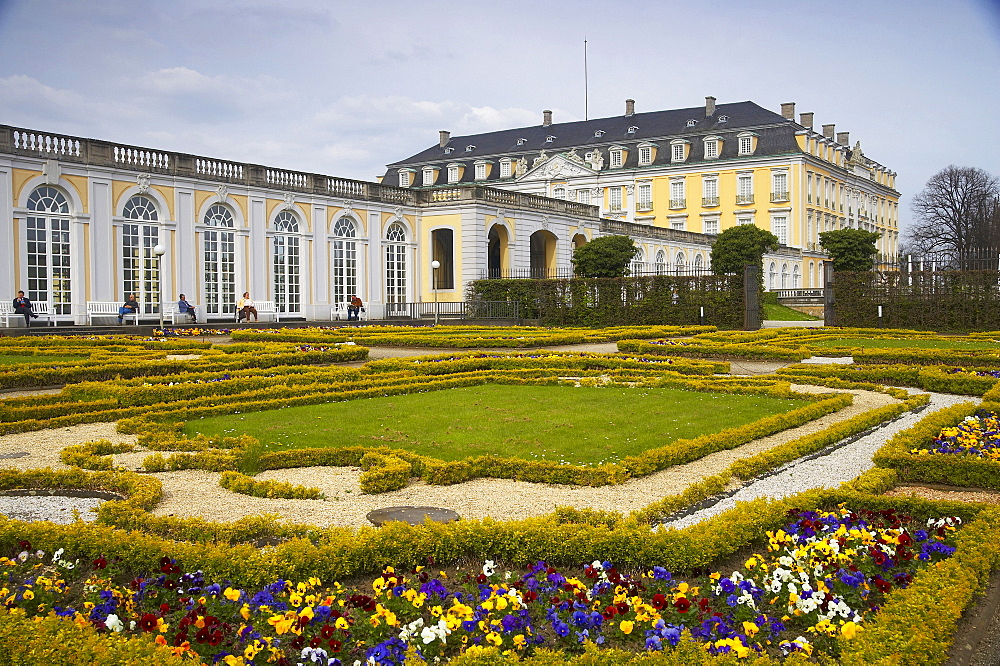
(712, 150)
(480, 172)
(677, 222)
(505, 168)
(677, 151)
(744, 188)
(645, 155)
(453, 173)
(710, 190)
(779, 227)
(744, 218)
(615, 199)
(779, 192)
(429, 176)
(644, 196)
(583, 196)
(678, 193)
(617, 158)
(559, 192)
(746, 144)
(404, 177)
(711, 224)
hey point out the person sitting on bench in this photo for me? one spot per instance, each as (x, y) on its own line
(354, 308)
(130, 306)
(183, 307)
(246, 307)
(23, 306)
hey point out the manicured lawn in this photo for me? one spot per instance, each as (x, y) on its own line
(915, 343)
(575, 425)
(774, 312)
(16, 359)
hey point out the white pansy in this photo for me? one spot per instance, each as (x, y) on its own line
(56, 555)
(489, 568)
(113, 623)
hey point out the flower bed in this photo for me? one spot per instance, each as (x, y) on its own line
(823, 578)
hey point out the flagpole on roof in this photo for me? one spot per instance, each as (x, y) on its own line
(585, 82)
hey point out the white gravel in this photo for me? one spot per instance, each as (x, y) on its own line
(827, 471)
(54, 508)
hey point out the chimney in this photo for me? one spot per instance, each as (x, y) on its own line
(629, 107)
(546, 118)
(444, 138)
(709, 106)
(844, 138)
(788, 110)
(828, 130)
(806, 119)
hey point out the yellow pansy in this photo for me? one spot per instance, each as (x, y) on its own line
(626, 626)
(231, 594)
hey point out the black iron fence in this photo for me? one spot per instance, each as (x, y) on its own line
(975, 259)
(453, 310)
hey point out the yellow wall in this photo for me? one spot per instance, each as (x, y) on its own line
(425, 254)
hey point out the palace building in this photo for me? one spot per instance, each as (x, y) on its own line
(83, 216)
(674, 179)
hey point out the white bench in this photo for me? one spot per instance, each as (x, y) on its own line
(170, 312)
(39, 309)
(263, 308)
(107, 309)
(339, 311)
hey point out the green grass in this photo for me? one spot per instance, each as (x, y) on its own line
(575, 425)
(774, 312)
(913, 343)
(17, 359)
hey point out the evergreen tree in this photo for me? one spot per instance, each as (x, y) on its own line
(607, 256)
(850, 249)
(738, 246)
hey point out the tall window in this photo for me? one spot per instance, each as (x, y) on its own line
(48, 251)
(616, 158)
(443, 248)
(746, 145)
(452, 173)
(345, 261)
(779, 227)
(480, 172)
(677, 193)
(677, 152)
(711, 149)
(710, 187)
(220, 261)
(638, 266)
(583, 196)
(505, 168)
(404, 178)
(661, 262)
(615, 198)
(140, 266)
(644, 196)
(395, 264)
(779, 186)
(429, 176)
(645, 155)
(744, 188)
(286, 264)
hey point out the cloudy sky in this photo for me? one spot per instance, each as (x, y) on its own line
(344, 88)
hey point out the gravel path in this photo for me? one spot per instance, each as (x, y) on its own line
(828, 471)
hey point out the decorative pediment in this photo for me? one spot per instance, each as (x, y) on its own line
(557, 167)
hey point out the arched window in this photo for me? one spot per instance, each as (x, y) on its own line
(772, 276)
(784, 276)
(345, 260)
(638, 266)
(286, 263)
(395, 264)
(48, 249)
(661, 262)
(140, 267)
(698, 264)
(680, 264)
(220, 261)
(795, 277)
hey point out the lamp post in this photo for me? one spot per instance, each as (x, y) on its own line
(435, 265)
(159, 251)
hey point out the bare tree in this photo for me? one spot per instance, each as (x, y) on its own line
(958, 214)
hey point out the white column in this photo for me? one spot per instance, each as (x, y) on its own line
(184, 252)
(258, 272)
(319, 273)
(103, 266)
(9, 273)
(375, 260)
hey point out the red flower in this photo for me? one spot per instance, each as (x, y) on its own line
(555, 601)
(609, 612)
(215, 638)
(100, 562)
(147, 622)
(164, 609)
(659, 601)
(530, 595)
(203, 635)
(314, 643)
(682, 605)
(24, 545)
(703, 604)
(326, 631)
(335, 645)
(623, 608)
(905, 540)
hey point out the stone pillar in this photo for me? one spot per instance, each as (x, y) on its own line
(751, 298)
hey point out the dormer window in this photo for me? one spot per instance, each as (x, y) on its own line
(712, 147)
(480, 171)
(522, 141)
(430, 175)
(505, 167)
(633, 129)
(678, 150)
(647, 153)
(448, 150)
(469, 148)
(748, 142)
(405, 177)
(692, 123)
(723, 119)
(549, 139)
(598, 134)
(454, 173)
(617, 157)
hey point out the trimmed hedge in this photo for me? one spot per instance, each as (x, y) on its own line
(246, 485)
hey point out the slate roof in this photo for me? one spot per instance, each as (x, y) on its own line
(776, 135)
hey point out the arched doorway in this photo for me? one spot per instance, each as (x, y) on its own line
(579, 240)
(497, 246)
(543, 254)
